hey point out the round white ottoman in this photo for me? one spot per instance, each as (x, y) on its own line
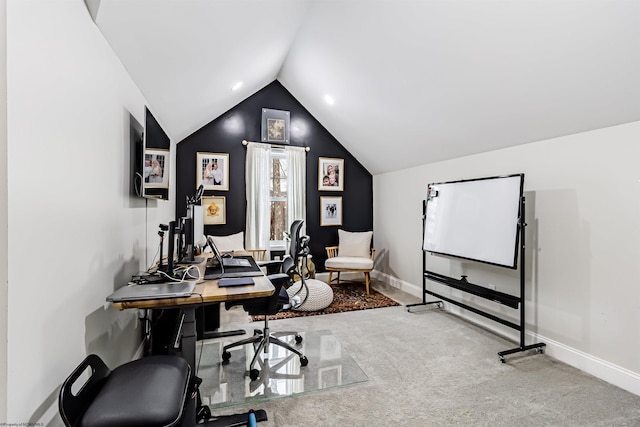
(320, 295)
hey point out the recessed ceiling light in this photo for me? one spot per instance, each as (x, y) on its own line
(237, 86)
(329, 99)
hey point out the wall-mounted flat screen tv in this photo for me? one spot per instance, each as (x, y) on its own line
(152, 160)
(476, 219)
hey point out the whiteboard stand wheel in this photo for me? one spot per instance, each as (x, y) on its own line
(540, 350)
(440, 305)
(501, 358)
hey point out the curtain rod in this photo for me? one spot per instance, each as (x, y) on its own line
(307, 149)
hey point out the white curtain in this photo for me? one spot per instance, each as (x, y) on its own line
(296, 188)
(258, 198)
(258, 204)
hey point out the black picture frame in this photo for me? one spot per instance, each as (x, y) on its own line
(275, 125)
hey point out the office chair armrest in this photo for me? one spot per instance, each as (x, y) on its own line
(279, 278)
(271, 267)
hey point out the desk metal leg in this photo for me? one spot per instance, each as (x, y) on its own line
(189, 338)
(208, 323)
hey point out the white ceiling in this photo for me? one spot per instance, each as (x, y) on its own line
(414, 81)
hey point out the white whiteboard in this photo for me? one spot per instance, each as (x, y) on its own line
(475, 219)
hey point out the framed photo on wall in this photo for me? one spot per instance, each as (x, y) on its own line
(212, 171)
(275, 125)
(330, 174)
(156, 168)
(214, 210)
(330, 210)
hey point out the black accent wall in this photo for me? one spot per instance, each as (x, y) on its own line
(243, 122)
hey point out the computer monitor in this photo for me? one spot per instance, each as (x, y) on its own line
(198, 224)
(192, 227)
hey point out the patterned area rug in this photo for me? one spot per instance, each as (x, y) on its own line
(346, 297)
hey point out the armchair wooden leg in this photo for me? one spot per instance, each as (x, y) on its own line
(366, 281)
(330, 277)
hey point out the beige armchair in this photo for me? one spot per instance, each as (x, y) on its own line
(353, 254)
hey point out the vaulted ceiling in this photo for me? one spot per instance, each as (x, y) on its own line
(413, 81)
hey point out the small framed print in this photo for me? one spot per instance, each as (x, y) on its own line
(330, 174)
(212, 171)
(275, 126)
(330, 210)
(214, 210)
(156, 168)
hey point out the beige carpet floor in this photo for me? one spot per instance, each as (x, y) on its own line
(431, 368)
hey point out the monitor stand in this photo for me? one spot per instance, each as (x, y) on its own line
(191, 260)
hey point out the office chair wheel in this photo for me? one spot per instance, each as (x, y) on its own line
(304, 361)
(257, 332)
(298, 339)
(226, 356)
(254, 374)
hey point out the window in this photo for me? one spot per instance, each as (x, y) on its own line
(276, 193)
(278, 198)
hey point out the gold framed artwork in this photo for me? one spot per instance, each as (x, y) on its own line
(212, 171)
(330, 210)
(214, 210)
(330, 174)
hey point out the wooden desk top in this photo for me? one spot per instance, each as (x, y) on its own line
(205, 292)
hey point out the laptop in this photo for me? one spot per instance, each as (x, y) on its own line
(152, 291)
(230, 267)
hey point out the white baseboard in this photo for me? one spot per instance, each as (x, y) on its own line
(407, 287)
(599, 368)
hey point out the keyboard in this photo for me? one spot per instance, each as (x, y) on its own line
(235, 262)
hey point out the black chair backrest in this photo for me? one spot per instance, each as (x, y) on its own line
(72, 406)
(294, 247)
(288, 266)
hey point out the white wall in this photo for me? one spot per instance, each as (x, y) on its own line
(583, 213)
(74, 234)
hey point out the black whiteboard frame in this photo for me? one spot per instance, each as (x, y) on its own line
(462, 284)
(514, 264)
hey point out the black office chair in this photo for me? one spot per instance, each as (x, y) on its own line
(153, 391)
(271, 305)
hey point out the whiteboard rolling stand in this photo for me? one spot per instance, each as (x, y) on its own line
(462, 284)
